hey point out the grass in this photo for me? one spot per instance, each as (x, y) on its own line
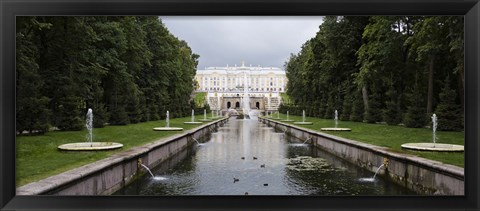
(391, 136)
(37, 157)
(200, 98)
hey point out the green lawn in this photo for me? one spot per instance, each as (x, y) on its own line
(200, 98)
(37, 157)
(391, 136)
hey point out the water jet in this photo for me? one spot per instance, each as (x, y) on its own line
(434, 146)
(167, 125)
(89, 145)
(303, 120)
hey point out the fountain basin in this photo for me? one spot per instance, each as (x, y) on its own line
(303, 123)
(434, 147)
(335, 129)
(90, 146)
(193, 123)
(167, 128)
(287, 120)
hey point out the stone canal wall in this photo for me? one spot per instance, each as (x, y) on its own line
(108, 175)
(418, 174)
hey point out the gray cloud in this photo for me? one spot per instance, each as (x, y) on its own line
(264, 41)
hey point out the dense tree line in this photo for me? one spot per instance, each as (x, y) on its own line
(127, 69)
(393, 69)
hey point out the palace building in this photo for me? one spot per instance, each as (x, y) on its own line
(225, 86)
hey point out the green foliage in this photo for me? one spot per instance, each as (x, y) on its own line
(415, 116)
(127, 69)
(373, 114)
(357, 108)
(383, 55)
(346, 108)
(69, 115)
(392, 113)
(200, 98)
(32, 112)
(330, 108)
(448, 112)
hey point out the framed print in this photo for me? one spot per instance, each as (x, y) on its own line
(314, 105)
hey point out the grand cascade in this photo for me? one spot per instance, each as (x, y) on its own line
(225, 87)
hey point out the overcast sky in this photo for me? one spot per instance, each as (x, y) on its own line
(264, 41)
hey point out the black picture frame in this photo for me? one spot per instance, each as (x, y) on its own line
(11, 8)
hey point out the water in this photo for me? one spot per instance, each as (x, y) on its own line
(303, 116)
(246, 98)
(287, 116)
(434, 127)
(290, 168)
(204, 114)
(198, 143)
(89, 125)
(167, 119)
(372, 179)
(308, 139)
(145, 167)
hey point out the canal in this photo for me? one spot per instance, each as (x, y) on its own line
(247, 157)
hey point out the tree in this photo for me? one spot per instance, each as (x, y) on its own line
(428, 41)
(374, 114)
(448, 111)
(346, 107)
(415, 116)
(357, 107)
(383, 64)
(32, 112)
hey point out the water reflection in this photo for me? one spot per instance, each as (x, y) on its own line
(283, 166)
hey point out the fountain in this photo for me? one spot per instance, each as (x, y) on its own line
(278, 116)
(216, 114)
(193, 119)
(308, 139)
(167, 126)
(149, 171)
(372, 179)
(434, 146)
(303, 144)
(205, 116)
(288, 119)
(303, 120)
(246, 98)
(89, 145)
(198, 143)
(336, 128)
